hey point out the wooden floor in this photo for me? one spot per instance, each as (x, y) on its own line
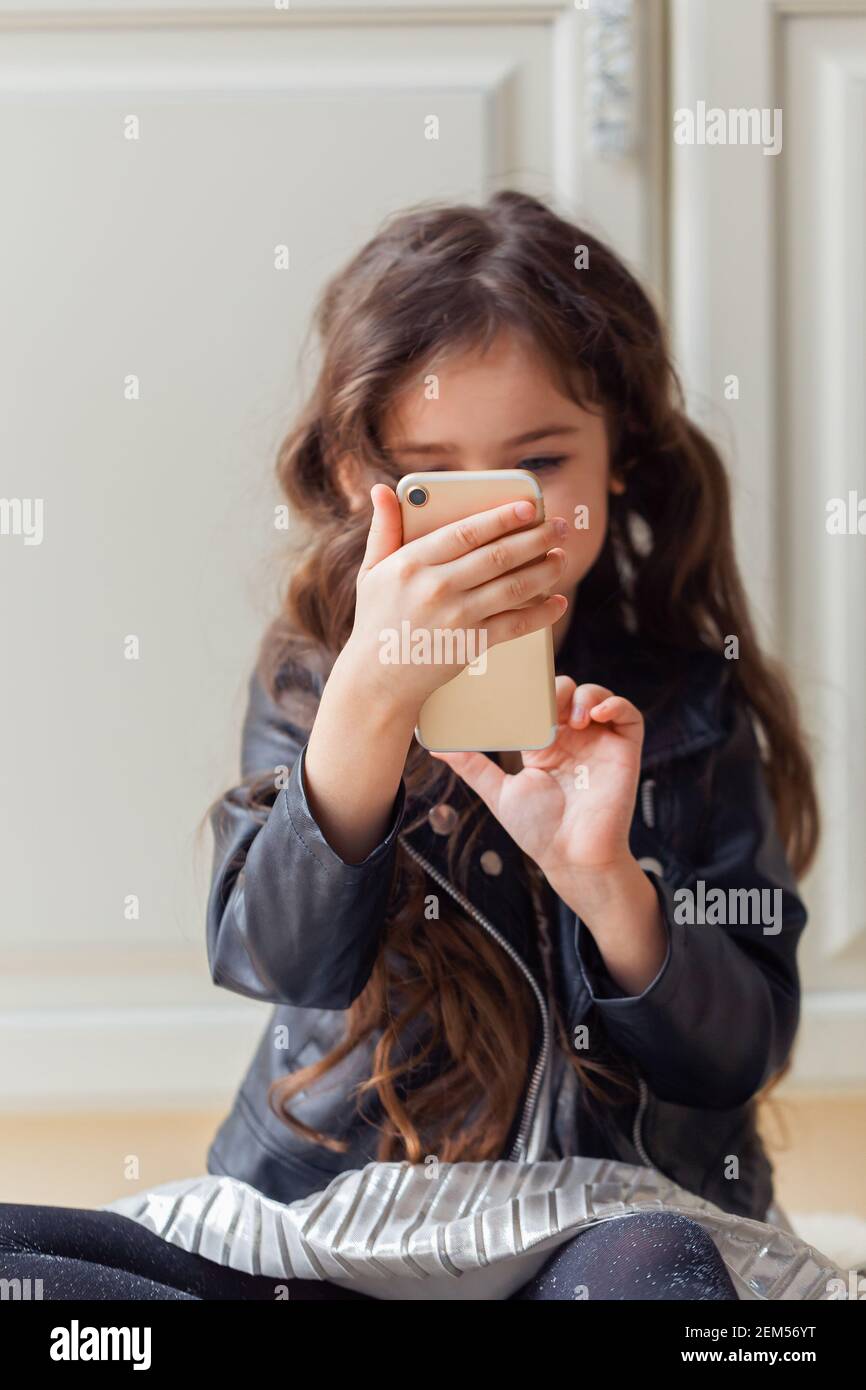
(816, 1142)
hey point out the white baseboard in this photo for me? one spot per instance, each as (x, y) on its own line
(831, 1045)
(193, 1056)
(135, 1058)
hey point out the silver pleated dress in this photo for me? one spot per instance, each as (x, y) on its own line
(458, 1231)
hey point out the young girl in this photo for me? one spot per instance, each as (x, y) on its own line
(587, 950)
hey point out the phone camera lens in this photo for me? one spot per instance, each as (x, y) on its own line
(417, 496)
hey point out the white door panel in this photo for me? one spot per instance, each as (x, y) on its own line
(769, 282)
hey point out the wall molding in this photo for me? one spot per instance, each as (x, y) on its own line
(626, 190)
(824, 260)
(275, 75)
(695, 256)
(303, 13)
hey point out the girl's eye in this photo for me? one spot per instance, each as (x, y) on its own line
(537, 465)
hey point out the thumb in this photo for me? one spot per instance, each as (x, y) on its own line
(482, 774)
(386, 528)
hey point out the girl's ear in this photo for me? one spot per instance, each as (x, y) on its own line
(616, 484)
(351, 483)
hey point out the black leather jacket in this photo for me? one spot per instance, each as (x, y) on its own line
(291, 924)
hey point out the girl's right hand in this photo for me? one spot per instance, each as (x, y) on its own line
(459, 577)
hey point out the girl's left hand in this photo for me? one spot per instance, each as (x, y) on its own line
(570, 808)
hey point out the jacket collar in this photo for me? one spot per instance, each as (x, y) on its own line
(682, 695)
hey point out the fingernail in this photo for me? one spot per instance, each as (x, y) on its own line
(578, 713)
(560, 526)
(524, 511)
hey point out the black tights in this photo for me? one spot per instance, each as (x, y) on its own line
(84, 1254)
(648, 1256)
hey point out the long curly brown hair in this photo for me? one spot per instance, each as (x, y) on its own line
(436, 279)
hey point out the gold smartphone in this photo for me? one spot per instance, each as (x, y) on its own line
(505, 700)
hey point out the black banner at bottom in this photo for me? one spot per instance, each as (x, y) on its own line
(61, 1337)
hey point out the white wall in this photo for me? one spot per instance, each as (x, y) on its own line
(154, 257)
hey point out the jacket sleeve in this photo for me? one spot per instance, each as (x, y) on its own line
(288, 921)
(722, 1013)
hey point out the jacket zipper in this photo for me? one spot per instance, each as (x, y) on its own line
(637, 1127)
(647, 802)
(519, 1147)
